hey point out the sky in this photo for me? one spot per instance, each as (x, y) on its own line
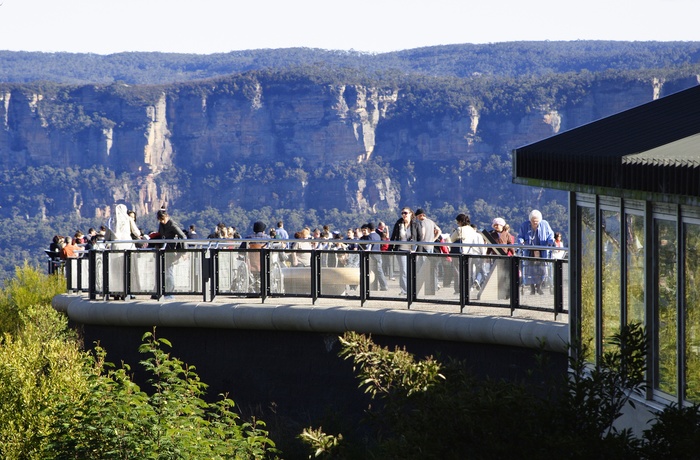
(219, 26)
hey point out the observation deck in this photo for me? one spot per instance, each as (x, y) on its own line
(223, 284)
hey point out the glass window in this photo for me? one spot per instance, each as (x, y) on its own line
(667, 271)
(610, 273)
(692, 312)
(635, 268)
(588, 284)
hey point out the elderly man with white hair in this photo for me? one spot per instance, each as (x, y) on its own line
(535, 232)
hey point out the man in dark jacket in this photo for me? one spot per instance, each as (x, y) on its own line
(169, 230)
(406, 230)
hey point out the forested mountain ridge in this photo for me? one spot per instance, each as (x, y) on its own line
(509, 59)
(309, 143)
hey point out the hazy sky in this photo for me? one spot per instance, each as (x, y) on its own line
(212, 26)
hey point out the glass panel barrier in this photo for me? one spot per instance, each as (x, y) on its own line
(143, 275)
(232, 273)
(182, 272)
(84, 264)
(115, 261)
(296, 274)
(99, 273)
(278, 262)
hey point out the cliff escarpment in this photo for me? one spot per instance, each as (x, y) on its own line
(288, 142)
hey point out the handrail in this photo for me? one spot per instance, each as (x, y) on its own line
(212, 265)
(216, 242)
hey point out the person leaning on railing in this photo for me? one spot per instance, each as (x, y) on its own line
(501, 235)
(465, 234)
(69, 249)
(169, 230)
(405, 230)
(535, 232)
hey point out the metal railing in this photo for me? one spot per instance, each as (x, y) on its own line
(213, 268)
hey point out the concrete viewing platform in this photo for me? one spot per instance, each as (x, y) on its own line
(482, 325)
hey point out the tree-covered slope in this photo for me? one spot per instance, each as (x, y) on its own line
(510, 59)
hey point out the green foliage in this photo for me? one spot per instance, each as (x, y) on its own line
(603, 391)
(324, 445)
(425, 409)
(676, 434)
(57, 401)
(40, 363)
(383, 372)
(38, 368)
(29, 289)
(116, 419)
(510, 59)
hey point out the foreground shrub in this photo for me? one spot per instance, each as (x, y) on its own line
(116, 419)
(29, 288)
(40, 363)
(58, 401)
(425, 409)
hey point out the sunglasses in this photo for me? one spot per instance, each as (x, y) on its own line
(404, 213)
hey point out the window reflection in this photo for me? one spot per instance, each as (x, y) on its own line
(588, 286)
(692, 312)
(610, 272)
(635, 268)
(667, 269)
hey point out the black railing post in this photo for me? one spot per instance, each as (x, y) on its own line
(464, 281)
(208, 292)
(558, 287)
(214, 266)
(160, 274)
(105, 275)
(127, 274)
(92, 275)
(264, 273)
(514, 283)
(364, 277)
(410, 278)
(315, 275)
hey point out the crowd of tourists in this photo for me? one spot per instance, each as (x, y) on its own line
(413, 231)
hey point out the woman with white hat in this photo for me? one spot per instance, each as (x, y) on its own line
(501, 235)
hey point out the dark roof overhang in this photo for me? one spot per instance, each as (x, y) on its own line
(652, 148)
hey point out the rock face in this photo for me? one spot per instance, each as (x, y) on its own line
(321, 124)
(216, 127)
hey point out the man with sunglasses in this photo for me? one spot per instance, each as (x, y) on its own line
(405, 230)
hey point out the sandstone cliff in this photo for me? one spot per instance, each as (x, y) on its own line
(212, 128)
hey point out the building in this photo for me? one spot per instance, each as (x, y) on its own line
(634, 197)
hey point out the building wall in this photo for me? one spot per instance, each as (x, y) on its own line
(638, 262)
